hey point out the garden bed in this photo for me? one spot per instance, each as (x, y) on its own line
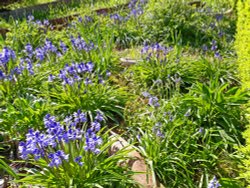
(24, 12)
(161, 74)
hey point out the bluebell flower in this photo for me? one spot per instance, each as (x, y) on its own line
(153, 101)
(142, 2)
(132, 4)
(95, 126)
(87, 81)
(30, 18)
(51, 78)
(155, 50)
(62, 155)
(79, 117)
(2, 75)
(52, 27)
(157, 130)
(59, 54)
(29, 66)
(6, 55)
(214, 183)
(63, 47)
(62, 74)
(97, 151)
(91, 46)
(204, 48)
(49, 47)
(46, 22)
(80, 44)
(146, 94)
(81, 68)
(116, 17)
(40, 53)
(100, 80)
(78, 160)
(35, 142)
(68, 81)
(69, 70)
(68, 120)
(220, 34)
(201, 130)
(80, 19)
(89, 66)
(138, 136)
(56, 161)
(219, 17)
(92, 141)
(39, 23)
(214, 45)
(159, 133)
(145, 49)
(28, 49)
(108, 73)
(50, 122)
(88, 19)
(137, 12)
(217, 55)
(99, 117)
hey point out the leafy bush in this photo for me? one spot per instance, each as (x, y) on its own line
(243, 52)
(242, 41)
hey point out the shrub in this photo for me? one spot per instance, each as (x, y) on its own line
(243, 52)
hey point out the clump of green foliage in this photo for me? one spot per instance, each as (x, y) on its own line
(243, 41)
(243, 52)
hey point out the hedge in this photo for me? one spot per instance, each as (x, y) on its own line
(242, 45)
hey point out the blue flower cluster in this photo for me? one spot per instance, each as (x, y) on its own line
(117, 18)
(48, 48)
(29, 56)
(155, 51)
(75, 73)
(214, 183)
(152, 100)
(80, 44)
(31, 20)
(6, 56)
(214, 49)
(45, 144)
(136, 9)
(92, 140)
(214, 26)
(157, 130)
(9, 74)
(57, 157)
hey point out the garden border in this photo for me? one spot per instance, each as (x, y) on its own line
(62, 22)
